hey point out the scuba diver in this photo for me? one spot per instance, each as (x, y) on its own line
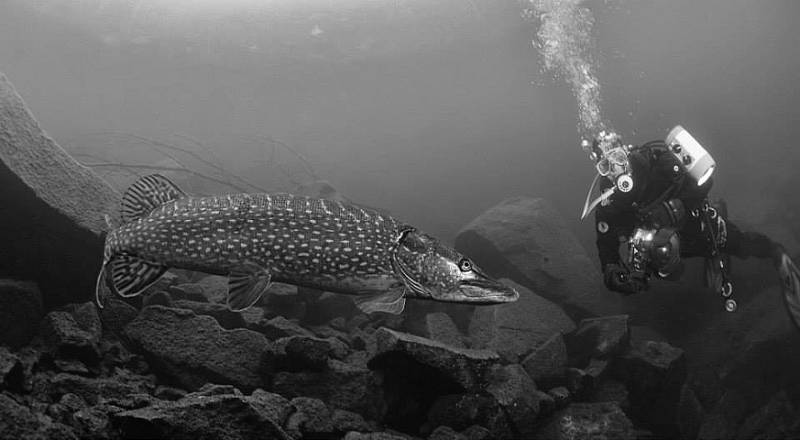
(653, 210)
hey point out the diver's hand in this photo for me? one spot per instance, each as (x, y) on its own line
(619, 279)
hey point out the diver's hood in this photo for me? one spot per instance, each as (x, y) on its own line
(588, 206)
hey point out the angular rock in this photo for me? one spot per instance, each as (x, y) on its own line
(779, 417)
(338, 338)
(589, 421)
(168, 393)
(327, 306)
(156, 298)
(187, 291)
(514, 390)
(724, 419)
(92, 423)
(515, 329)
(66, 338)
(19, 422)
(20, 306)
(297, 353)
(194, 349)
(547, 363)
(345, 421)
(11, 369)
(344, 386)
(465, 367)
(215, 288)
(62, 411)
(611, 391)
(460, 411)
(654, 373)
(477, 432)
(599, 338)
(228, 416)
(54, 208)
(309, 418)
(279, 327)
(446, 433)
(116, 314)
(353, 435)
(224, 316)
(439, 326)
(526, 240)
(92, 390)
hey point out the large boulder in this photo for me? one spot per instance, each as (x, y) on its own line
(516, 329)
(194, 349)
(547, 363)
(525, 239)
(418, 371)
(516, 393)
(465, 367)
(599, 337)
(54, 208)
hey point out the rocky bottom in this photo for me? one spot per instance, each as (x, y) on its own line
(179, 365)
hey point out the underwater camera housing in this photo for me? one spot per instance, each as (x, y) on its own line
(696, 161)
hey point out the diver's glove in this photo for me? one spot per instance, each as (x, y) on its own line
(619, 279)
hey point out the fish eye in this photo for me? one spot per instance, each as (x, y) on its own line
(465, 265)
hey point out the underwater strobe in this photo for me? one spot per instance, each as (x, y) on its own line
(696, 161)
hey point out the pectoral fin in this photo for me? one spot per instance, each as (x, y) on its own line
(393, 302)
(127, 275)
(246, 285)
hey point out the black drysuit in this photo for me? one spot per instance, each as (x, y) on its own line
(658, 177)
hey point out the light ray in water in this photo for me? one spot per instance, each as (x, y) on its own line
(564, 40)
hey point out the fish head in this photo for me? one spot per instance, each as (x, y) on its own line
(432, 270)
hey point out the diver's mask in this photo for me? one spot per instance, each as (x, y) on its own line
(611, 161)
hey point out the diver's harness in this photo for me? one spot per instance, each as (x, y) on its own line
(654, 246)
(659, 222)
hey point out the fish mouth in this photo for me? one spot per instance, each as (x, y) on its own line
(485, 291)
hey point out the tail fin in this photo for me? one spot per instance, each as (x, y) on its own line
(147, 194)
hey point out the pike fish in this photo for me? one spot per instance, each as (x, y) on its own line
(257, 239)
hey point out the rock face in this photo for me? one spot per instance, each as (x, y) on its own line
(54, 208)
(199, 416)
(516, 329)
(195, 349)
(440, 327)
(418, 371)
(20, 312)
(17, 421)
(600, 338)
(524, 239)
(589, 421)
(654, 373)
(465, 367)
(548, 361)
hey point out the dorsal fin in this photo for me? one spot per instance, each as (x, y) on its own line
(147, 194)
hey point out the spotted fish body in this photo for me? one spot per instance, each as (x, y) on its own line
(256, 239)
(304, 241)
